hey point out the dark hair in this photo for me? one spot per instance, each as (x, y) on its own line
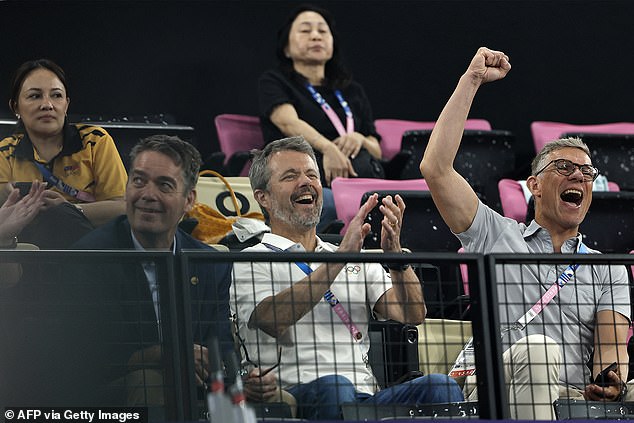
(25, 70)
(184, 155)
(337, 75)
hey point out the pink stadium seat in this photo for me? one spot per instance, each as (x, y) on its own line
(544, 132)
(237, 135)
(391, 131)
(512, 198)
(514, 202)
(348, 192)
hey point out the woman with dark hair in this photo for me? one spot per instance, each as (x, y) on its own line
(79, 163)
(313, 95)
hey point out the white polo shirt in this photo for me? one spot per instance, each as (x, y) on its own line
(319, 344)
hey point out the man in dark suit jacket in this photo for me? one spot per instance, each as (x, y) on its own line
(160, 190)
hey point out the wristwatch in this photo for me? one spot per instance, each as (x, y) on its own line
(12, 246)
(399, 267)
(623, 392)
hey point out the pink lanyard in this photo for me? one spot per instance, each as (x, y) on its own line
(336, 122)
(566, 276)
(331, 299)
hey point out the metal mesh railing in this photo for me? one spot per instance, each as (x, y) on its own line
(84, 325)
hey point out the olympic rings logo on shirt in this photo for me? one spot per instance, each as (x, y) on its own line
(353, 269)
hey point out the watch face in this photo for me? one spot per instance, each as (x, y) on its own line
(397, 266)
(623, 390)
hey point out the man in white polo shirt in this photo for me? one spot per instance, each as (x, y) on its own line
(301, 307)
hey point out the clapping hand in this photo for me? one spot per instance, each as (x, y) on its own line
(392, 222)
(16, 213)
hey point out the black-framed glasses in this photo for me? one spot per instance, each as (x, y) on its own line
(248, 360)
(566, 168)
(265, 371)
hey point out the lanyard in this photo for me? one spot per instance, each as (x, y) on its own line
(465, 363)
(63, 186)
(565, 277)
(330, 298)
(336, 122)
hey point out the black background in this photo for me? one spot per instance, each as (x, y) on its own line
(572, 60)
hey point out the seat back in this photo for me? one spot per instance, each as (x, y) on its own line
(127, 134)
(609, 224)
(611, 153)
(544, 132)
(513, 199)
(213, 192)
(238, 134)
(347, 193)
(484, 157)
(423, 230)
(392, 130)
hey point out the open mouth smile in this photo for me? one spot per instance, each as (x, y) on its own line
(304, 198)
(572, 196)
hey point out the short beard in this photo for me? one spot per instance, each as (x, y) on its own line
(298, 219)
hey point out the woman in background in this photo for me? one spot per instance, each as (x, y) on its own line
(79, 163)
(313, 95)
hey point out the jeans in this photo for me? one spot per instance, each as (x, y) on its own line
(321, 399)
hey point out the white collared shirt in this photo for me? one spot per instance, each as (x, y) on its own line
(149, 268)
(319, 343)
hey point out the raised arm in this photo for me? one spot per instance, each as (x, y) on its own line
(455, 199)
(275, 314)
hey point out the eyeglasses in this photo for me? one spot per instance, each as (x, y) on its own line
(566, 168)
(248, 360)
(254, 364)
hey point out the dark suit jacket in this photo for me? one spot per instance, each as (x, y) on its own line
(125, 290)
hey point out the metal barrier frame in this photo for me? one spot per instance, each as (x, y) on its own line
(494, 260)
(172, 310)
(181, 404)
(492, 402)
